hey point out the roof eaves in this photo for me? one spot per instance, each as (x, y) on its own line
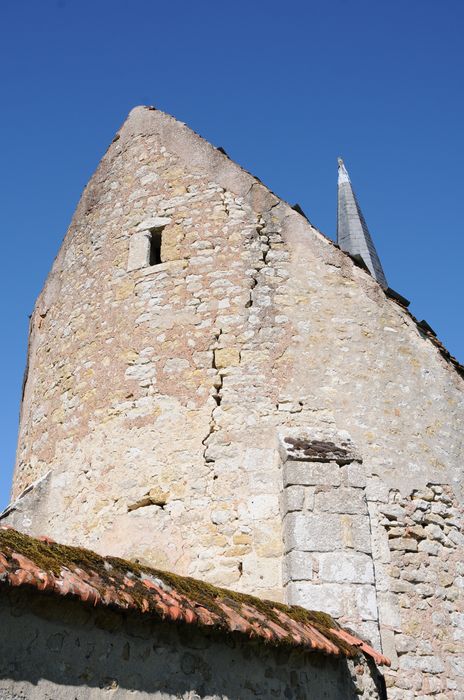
(61, 570)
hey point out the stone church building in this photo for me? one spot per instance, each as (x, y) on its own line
(229, 421)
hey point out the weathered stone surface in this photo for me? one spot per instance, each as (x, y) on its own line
(294, 498)
(154, 222)
(298, 566)
(330, 597)
(356, 475)
(139, 252)
(406, 544)
(316, 445)
(313, 533)
(311, 474)
(346, 567)
(187, 376)
(327, 541)
(418, 603)
(226, 357)
(342, 500)
(430, 664)
(365, 603)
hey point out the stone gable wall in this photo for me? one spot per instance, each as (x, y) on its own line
(155, 396)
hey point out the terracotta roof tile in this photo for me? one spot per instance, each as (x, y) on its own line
(107, 581)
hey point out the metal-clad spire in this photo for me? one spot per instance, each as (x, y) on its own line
(352, 233)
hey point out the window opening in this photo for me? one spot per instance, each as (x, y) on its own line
(155, 247)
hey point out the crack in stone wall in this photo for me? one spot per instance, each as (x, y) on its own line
(216, 394)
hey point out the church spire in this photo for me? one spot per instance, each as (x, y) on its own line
(352, 233)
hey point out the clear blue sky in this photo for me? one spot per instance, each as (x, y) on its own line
(284, 87)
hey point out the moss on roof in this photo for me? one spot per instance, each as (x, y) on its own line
(126, 585)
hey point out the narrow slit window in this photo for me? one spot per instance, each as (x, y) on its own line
(155, 247)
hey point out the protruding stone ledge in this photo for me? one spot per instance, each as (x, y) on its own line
(168, 266)
(154, 222)
(310, 445)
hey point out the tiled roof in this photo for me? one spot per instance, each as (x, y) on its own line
(106, 581)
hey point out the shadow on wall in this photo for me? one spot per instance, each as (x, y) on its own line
(62, 649)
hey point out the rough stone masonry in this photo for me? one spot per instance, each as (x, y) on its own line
(214, 388)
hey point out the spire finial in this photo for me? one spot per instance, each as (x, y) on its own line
(352, 233)
(342, 172)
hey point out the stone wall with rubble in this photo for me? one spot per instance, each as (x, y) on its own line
(420, 580)
(158, 398)
(61, 650)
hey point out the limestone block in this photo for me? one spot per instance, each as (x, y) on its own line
(25, 513)
(405, 643)
(393, 512)
(154, 222)
(145, 374)
(218, 451)
(379, 537)
(311, 474)
(293, 498)
(226, 357)
(406, 544)
(258, 459)
(326, 597)
(242, 539)
(457, 620)
(365, 602)
(176, 365)
(376, 490)
(457, 665)
(346, 567)
(298, 566)
(389, 612)
(219, 516)
(388, 646)
(309, 498)
(312, 533)
(139, 251)
(341, 500)
(356, 475)
(369, 630)
(356, 532)
(429, 664)
(170, 243)
(263, 506)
